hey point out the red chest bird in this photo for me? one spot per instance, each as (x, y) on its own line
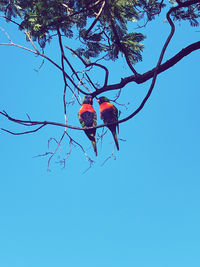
(109, 114)
(88, 118)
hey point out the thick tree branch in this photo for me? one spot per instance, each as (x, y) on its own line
(169, 63)
(141, 78)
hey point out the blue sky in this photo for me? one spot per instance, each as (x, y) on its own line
(141, 209)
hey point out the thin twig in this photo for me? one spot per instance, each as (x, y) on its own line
(91, 64)
(58, 145)
(44, 56)
(86, 155)
(27, 132)
(112, 155)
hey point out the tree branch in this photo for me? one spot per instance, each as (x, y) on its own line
(157, 66)
(30, 123)
(69, 64)
(27, 132)
(37, 52)
(136, 78)
(141, 78)
(91, 64)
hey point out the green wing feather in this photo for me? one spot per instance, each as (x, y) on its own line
(81, 120)
(95, 119)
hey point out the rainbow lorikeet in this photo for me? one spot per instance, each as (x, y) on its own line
(88, 118)
(109, 113)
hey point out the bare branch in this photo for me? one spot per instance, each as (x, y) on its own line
(33, 131)
(91, 64)
(43, 155)
(91, 162)
(112, 155)
(27, 33)
(69, 64)
(58, 145)
(40, 54)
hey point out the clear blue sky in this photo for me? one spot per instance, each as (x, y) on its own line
(141, 209)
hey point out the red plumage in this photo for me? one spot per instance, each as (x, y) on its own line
(109, 114)
(87, 117)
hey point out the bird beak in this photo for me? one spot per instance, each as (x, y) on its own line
(98, 100)
(90, 99)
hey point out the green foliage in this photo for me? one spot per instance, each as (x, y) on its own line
(133, 46)
(191, 14)
(108, 37)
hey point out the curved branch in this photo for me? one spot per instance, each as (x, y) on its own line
(157, 67)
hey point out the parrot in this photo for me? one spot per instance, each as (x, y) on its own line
(109, 113)
(88, 118)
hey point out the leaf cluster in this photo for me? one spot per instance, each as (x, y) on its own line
(101, 26)
(191, 14)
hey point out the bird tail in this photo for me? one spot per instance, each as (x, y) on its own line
(94, 146)
(91, 136)
(116, 139)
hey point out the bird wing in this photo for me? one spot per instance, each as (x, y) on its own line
(95, 119)
(116, 115)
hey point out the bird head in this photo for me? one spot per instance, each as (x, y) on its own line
(102, 99)
(88, 100)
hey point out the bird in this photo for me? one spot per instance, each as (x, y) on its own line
(109, 114)
(88, 118)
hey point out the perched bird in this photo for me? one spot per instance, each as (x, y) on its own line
(88, 118)
(109, 113)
